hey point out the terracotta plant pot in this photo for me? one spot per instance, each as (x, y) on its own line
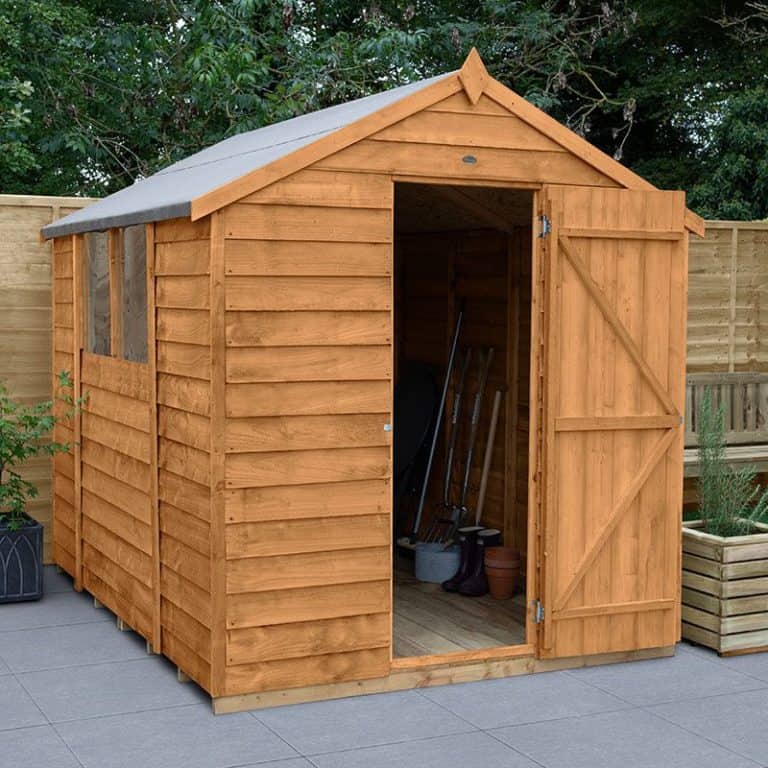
(502, 566)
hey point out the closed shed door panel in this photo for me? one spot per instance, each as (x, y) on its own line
(615, 271)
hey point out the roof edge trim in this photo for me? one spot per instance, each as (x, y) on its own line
(173, 211)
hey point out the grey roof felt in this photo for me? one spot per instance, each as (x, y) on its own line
(169, 193)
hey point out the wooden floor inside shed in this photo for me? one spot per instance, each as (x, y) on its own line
(429, 621)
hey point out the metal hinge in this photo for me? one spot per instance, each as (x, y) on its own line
(538, 612)
(546, 225)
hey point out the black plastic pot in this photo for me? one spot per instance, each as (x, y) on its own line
(21, 562)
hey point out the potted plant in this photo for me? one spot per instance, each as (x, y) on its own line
(24, 433)
(725, 552)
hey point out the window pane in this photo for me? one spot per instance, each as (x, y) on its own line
(135, 294)
(97, 305)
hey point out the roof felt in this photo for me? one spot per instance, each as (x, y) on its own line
(168, 194)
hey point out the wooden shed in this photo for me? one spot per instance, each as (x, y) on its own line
(238, 322)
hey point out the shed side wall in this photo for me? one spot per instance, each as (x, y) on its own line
(308, 392)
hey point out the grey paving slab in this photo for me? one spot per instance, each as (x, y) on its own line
(737, 721)
(17, 710)
(55, 580)
(35, 748)
(684, 676)
(362, 721)
(529, 699)
(183, 737)
(291, 762)
(630, 739)
(4, 668)
(72, 693)
(464, 750)
(29, 650)
(752, 664)
(53, 610)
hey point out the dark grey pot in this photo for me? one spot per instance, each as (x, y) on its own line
(21, 562)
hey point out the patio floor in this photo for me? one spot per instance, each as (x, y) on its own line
(75, 691)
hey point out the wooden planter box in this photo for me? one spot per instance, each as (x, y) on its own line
(725, 590)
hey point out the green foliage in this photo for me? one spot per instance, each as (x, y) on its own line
(23, 434)
(730, 501)
(97, 93)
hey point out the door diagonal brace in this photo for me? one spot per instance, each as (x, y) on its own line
(594, 549)
(618, 327)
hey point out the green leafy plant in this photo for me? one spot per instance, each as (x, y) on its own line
(730, 501)
(24, 430)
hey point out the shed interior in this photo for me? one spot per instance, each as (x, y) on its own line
(462, 247)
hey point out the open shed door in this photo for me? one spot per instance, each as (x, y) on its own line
(614, 272)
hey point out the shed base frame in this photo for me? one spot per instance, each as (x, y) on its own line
(427, 676)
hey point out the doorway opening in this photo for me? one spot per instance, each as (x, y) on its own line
(462, 259)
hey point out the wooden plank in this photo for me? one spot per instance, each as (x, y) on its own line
(599, 423)
(188, 529)
(123, 496)
(130, 559)
(185, 561)
(119, 437)
(180, 230)
(276, 329)
(308, 569)
(187, 360)
(127, 527)
(470, 129)
(273, 675)
(185, 461)
(125, 607)
(184, 427)
(115, 256)
(307, 604)
(119, 376)
(308, 293)
(182, 292)
(508, 165)
(184, 494)
(185, 393)
(187, 258)
(293, 433)
(109, 461)
(325, 188)
(299, 502)
(187, 660)
(289, 222)
(253, 470)
(284, 537)
(622, 234)
(311, 638)
(307, 398)
(181, 624)
(186, 326)
(278, 258)
(128, 411)
(292, 364)
(185, 594)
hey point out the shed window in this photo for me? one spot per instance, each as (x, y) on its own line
(134, 293)
(97, 320)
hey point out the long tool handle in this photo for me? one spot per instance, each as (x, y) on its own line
(455, 414)
(488, 455)
(438, 422)
(487, 359)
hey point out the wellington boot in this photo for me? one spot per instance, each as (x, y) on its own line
(476, 583)
(468, 548)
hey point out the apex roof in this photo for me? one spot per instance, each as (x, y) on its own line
(234, 167)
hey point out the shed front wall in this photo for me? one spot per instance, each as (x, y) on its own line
(308, 294)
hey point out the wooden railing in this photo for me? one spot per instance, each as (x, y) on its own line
(745, 400)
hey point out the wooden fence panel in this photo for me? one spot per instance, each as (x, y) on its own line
(26, 322)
